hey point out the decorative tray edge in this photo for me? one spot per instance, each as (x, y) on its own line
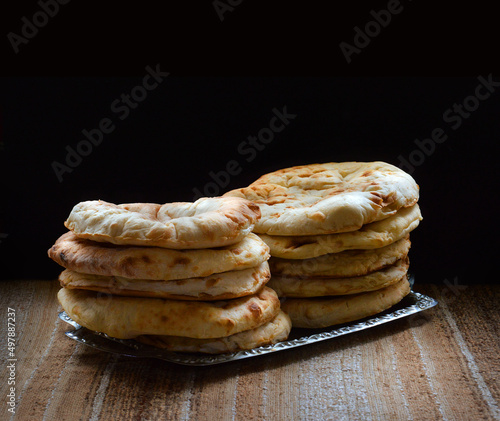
(416, 302)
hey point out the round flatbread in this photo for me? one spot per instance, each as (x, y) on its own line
(320, 287)
(375, 235)
(129, 317)
(323, 312)
(269, 333)
(328, 198)
(345, 264)
(208, 222)
(85, 256)
(219, 286)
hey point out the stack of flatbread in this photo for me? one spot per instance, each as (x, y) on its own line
(182, 276)
(339, 238)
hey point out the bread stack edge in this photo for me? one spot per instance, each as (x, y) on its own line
(339, 238)
(187, 277)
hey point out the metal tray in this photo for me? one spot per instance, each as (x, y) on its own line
(411, 304)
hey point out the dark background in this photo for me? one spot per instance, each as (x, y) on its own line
(254, 38)
(190, 126)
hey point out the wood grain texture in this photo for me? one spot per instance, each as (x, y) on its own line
(441, 364)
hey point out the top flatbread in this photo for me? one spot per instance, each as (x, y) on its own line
(328, 198)
(208, 222)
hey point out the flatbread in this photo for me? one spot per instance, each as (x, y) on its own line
(219, 286)
(345, 264)
(129, 317)
(208, 222)
(328, 198)
(323, 312)
(156, 263)
(375, 235)
(295, 286)
(269, 333)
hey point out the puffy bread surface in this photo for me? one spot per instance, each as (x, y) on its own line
(344, 264)
(128, 317)
(208, 222)
(303, 286)
(269, 333)
(328, 198)
(218, 286)
(375, 235)
(85, 256)
(329, 311)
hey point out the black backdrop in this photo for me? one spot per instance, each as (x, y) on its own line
(180, 135)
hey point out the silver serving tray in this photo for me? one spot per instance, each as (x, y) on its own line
(411, 304)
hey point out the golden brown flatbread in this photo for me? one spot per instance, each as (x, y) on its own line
(345, 264)
(218, 286)
(269, 333)
(305, 286)
(328, 198)
(129, 317)
(157, 263)
(375, 235)
(208, 222)
(329, 311)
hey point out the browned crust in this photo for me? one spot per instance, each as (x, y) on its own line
(328, 311)
(328, 198)
(129, 317)
(348, 263)
(200, 291)
(313, 286)
(269, 333)
(157, 263)
(153, 225)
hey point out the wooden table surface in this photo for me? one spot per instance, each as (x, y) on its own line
(443, 364)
